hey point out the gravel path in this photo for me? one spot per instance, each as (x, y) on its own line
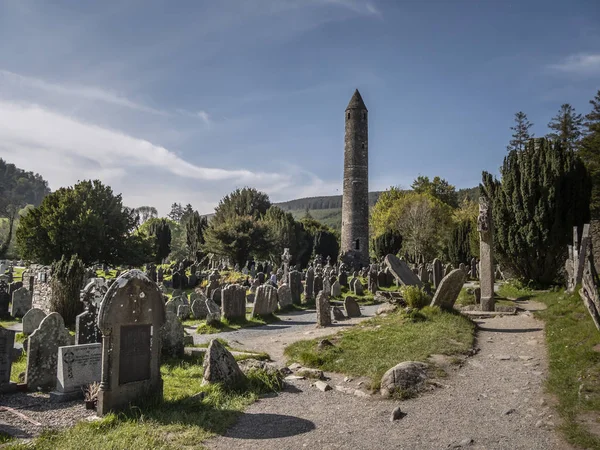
(494, 401)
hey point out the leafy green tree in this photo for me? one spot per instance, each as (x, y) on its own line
(544, 192)
(390, 242)
(87, 220)
(188, 212)
(286, 233)
(195, 225)
(589, 151)
(438, 188)
(237, 229)
(161, 232)
(146, 213)
(176, 212)
(521, 133)
(566, 126)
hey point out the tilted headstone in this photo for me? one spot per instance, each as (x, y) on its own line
(351, 307)
(42, 352)
(77, 366)
(284, 296)
(31, 320)
(401, 271)
(265, 302)
(130, 316)
(21, 302)
(295, 283)
(323, 311)
(7, 344)
(449, 289)
(233, 302)
(172, 334)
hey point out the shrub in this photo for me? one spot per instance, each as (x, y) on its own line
(415, 296)
(67, 280)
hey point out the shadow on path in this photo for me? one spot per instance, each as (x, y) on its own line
(269, 426)
(510, 330)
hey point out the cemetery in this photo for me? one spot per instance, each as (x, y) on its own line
(170, 353)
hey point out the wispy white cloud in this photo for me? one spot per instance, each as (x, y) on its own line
(204, 116)
(358, 6)
(579, 64)
(86, 92)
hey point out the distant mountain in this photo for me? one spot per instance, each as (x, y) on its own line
(328, 209)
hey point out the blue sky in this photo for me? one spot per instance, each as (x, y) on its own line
(185, 101)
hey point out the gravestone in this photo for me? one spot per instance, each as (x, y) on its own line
(220, 366)
(31, 320)
(21, 302)
(86, 326)
(94, 291)
(261, 277)
(474, 268)
(309, 285)
(343, 278)
(327, 285)
(382, 279)
(336, 289)
(463, 267)
(199, 310)
(295, 283)
(172, 333)
(485, 226)
(265, 302)
(401, 271)
(183, 312)
(130, 318)
(372, 282)
(358, 287)
(351, 307)
(77, 366)
(176, 280)
(323, 312)
(448, 269)
(438, 272)
(174, 304)
(449, 288)
(284, 296)
(7, 344)
(423, 276)
(216, 296)
(4, 298)
(234, 302)
(42, 352)
(318, 284)
(213, 312)
(12, 287)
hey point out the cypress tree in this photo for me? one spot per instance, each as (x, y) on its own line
(566, 126)
(589, 151)
(544, 192)
(162, 239)
(459, 245)
(520, 134)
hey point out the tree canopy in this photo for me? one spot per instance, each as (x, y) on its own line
(566, 127)
(521, 134)
(437, 188)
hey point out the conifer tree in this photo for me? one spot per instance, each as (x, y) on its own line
(521, 133)
(589, 151)
(566, 126)
(544, 192)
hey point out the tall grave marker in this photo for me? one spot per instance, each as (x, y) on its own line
(485, 226)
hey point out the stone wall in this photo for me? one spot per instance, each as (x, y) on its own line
(42, 290)
(595, 239)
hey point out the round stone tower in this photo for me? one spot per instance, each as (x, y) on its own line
(355, 203)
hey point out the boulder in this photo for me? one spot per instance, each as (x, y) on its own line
(220, 366)
(406, 377)
(351, 307)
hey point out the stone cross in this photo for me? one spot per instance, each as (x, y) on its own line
(485, 226)
(285, 259)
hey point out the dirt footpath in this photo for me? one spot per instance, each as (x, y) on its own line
(494, 401)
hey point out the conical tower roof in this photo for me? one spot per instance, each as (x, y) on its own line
(356, 102)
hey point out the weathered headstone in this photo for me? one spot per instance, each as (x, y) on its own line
(309, 285)
(351, 307)
(21, 302)
(295, 282)
(323, 312)
(213, 312)
(358, 287)
(485, 227)
(174, 304)
(336, 289)
(284, 296)
(12, 287)
(198, 308)
(382, 279)
(423, 275)
(233, 302)
(7, 343)
(438, 272)
(265, 302)
(31, 320)
(4, 298)
(449, 288)
(77, 366)
(216, 295)
(86, 326)
(130, 317)
(338, 314)
(172, 333)
(401, 271)
(183, 312)
(220, 366)
(474, 268)
(318, 284)
(343, 278)
(42, 352)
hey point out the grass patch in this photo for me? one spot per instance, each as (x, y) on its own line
(574, 377)
(231, 325)
(378, 344)
(18, 366)
(465, 299)
(20, 337)
(180, 421)
(514, 289)
(9, 323)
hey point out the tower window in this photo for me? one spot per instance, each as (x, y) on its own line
(357, 244)
(348, 115)
(364, 115)
(363, 146)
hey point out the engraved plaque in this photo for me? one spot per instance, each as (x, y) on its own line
(134, 361)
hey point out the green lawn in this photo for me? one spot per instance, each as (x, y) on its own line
(230, 325)
(378, 344)
(574, 377)
(180, 421)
